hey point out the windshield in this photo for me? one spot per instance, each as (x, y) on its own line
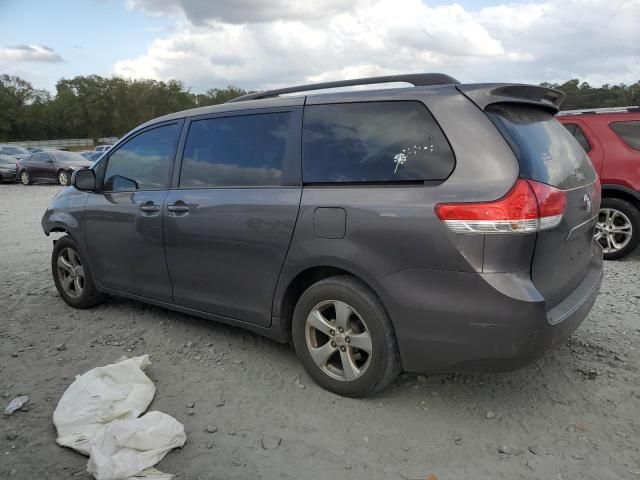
(14, 151)
(69, 157)
(546, 151)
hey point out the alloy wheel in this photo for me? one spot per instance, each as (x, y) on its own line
(24, 178)
(63, 178)
(613, 230)
(338, 340)
(70, 272)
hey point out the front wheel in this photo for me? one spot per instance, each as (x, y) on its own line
(72, 276)
(618, 228)
(25, 178)
(344, 337)
(63, 178)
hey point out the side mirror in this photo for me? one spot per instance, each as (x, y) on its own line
(84, 180)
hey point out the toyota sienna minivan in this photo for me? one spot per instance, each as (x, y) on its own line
(433, 227)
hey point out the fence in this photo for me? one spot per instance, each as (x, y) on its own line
(67, 142)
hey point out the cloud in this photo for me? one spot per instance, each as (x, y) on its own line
(245, 11)
(28, 53)
(260, 44)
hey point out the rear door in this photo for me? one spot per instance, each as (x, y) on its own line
(549, 154)
(229, 221)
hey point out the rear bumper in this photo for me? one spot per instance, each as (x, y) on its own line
(473, 321)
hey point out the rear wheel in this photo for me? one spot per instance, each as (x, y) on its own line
(63, 178)
(344, 338)
(25, 178)
(618, 228)
(72, 275)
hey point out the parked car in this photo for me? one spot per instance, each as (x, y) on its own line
(611, 138)
(428, 228)
(17, 152)
(33, 149)
(102, 148)
(8, 168)
(51, 166)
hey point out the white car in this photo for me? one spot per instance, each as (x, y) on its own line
(102, 148)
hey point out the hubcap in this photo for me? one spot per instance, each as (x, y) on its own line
(613, 230)
(63, 178)
(70, 272)
(338, 340)
(25, 177)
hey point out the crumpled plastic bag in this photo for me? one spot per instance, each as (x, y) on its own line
(98, 416)
(126, 447)
(116, 392)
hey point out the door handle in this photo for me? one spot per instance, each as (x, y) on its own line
(150, 208)
(178, 207)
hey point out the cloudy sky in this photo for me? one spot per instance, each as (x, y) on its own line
(259, 44)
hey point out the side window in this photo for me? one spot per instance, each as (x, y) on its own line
(373, 142)
(579, 135)
(145, 162)
(629, 132)
(244, 150)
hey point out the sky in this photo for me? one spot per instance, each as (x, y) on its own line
(258, 44)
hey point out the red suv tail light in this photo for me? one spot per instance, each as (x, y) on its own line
(528, 207)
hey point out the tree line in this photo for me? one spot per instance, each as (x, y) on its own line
(94, 106)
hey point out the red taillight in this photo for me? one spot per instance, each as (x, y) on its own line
(528, 207)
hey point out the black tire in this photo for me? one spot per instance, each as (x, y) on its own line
(633, 214)
(89, 296)
(64, 178)
(384, 364)
(25, 177)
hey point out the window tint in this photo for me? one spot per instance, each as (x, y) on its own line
(579, 135)
(629, 132)
(373, 142)
(147, 159)
(545, 150)
(246, 150)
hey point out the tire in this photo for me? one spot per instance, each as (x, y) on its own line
(366, 314)
(64, 178)
(81, 292)
(616, 213)
(25, 177)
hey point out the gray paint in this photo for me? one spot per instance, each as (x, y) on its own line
(232, 254)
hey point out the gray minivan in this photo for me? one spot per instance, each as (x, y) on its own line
(426, 228)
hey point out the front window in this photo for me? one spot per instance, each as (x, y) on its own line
(145, 162)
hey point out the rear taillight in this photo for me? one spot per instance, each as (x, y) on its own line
(528, 207)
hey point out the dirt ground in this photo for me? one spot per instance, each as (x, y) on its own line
(575, 414)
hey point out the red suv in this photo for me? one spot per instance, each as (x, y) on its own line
(611, 137)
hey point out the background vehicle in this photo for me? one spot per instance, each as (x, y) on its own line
(611, 138)
(102, 148)
(424, 228)
(17, 152)
(8, 168)
(51, 166)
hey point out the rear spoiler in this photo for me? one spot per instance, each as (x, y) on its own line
(485, 94)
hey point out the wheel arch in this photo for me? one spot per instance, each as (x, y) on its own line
(284, 303)
(624, 193)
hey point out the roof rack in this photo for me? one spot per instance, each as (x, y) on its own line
(600, 110)
(416, 79)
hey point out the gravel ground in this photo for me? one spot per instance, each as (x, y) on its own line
(575, 414)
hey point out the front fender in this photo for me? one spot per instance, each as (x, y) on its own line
(64, 213)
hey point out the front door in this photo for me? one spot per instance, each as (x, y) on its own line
(124, 218)
(229, 222)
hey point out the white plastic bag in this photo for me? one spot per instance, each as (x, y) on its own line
(126, 447)
(118, 391)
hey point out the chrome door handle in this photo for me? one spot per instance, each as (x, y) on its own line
(150, 208)
(178, 207)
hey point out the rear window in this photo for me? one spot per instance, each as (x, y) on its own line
(629, 132)
(578, 134)
(373, 142)
(546, 151)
